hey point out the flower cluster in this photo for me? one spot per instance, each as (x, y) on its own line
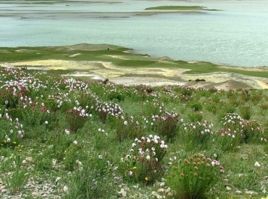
(200, 128)
(143, 163)
(108, 109)
(58, 101)
(233, 121)
(76, 118)
(11, 131)
(163, 191)
(74, 84)
(228, 139)
(199, 160)
(13, 88)
(79, 112)
(26, 102)
(227, 133)
(247, 130)
(198, 132)
(252, 131)
(17, 88)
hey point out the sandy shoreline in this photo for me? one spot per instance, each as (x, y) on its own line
(129, 76)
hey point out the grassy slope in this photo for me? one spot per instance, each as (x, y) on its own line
(101, 53)
(45, 144)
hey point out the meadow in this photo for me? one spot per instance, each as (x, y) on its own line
(72, 138)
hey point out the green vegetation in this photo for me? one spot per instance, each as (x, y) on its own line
(74, 138)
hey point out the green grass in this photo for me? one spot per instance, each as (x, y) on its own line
(88, 163)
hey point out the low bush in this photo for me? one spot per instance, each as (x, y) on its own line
(253, 132)
(76, 118)
(144, 161)
(166, 124)
(109, 109)
(195, 117)
(227, 139)
(245, 112)
(196, 107)
(196, 134)
(16, 180)
(93, 181)
(127, 127)
(193, 177)
(11, 131)
(246, 130)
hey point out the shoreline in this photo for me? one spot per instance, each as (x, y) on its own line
(121, 65)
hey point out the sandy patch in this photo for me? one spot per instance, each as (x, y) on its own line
(85, 74)
(75, 55)
(148, 76)
(263, 84)
(117, 57)
(148, 81)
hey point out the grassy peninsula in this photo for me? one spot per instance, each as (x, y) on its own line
(111, 61)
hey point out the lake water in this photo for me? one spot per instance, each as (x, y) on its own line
(238, 35)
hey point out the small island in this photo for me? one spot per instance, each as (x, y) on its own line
(179, 9)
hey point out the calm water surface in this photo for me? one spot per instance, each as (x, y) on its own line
(238, 35)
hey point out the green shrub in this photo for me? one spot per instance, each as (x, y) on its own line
(127, 128)
(7, 99)
(212, 108)
(87, 100)
(109, 109)
(233, 121)
(264, 106)
(196, 106)
(116, 96)
(193, 177)
(73, 156)
(227, 139)
(16, 180)
(76, 118)
(93, 181)
(245, 112)
(252, 132)
(60, 102)
(246, 130)
(166, 125)
(196, 134)
(37, 116)
(152, 108)
(11, 131)
(144, 161)
(195, 117)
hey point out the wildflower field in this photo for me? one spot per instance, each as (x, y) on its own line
(63, 137)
